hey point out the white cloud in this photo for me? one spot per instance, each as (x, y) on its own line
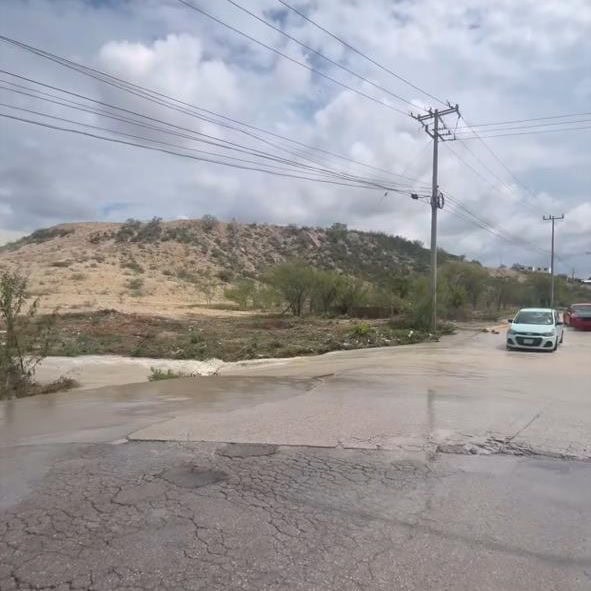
(500, 61)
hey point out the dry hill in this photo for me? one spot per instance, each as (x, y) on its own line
(181, 266)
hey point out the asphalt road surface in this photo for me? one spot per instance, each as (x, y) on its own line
(452, 466)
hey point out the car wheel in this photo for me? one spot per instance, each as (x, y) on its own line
(555, 346)
(562, 338)
(509, 348)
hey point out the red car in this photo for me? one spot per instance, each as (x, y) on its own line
(578, 316)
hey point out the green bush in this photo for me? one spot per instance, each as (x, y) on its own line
(157, 374)
(128, 230)
(132, 264)
(135, 284)
(25, 341)
(242, 293)
(362, 329)
(295, 282)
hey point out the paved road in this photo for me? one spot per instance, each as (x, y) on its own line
(413, 487)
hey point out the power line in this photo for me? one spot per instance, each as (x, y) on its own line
(360, 53)
(493, 185)
(498, 159)
(511, 121)
(522, 127)
(318, 53)
(176, 153)
(325, 172)
(173, 103)
(287, 57)
(491, 227)
(582, 128)
(224, 144)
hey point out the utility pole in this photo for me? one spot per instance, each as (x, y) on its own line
(437, 200)
(553, 219)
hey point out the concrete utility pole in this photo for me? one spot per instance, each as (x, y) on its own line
(553, 219)
(437, 199)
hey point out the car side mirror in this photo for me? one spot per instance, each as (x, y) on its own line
(510, 320)
(559, 323)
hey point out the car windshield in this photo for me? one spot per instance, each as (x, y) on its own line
(534, 317)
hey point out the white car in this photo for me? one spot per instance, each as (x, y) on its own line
(535, 328)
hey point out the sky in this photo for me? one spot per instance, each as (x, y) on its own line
(499, 61)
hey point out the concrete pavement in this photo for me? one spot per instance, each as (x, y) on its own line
(137, 487)
(466, 391)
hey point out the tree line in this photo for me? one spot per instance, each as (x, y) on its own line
(465, 290)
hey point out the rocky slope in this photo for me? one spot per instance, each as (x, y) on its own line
(182, 266)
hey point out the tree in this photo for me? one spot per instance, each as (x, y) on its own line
(242, 293)
(26, 339)
(471, 278)
(294, 282)
(325, 290)
(353, 292)
(538, 289)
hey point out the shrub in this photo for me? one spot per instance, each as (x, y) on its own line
(135, 283)
(209, 222)
(149, 232)
(45, 234)
(132, 264)
(157, 374)
(128, 230)
(362, 329)
(62, 384)
(225, 275)
(26, 340)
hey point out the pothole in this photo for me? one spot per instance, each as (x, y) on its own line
(193, 476)
(247, 450)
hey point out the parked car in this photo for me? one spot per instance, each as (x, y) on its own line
(578, 316)
(535, 328)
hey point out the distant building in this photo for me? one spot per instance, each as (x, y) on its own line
(529, 269)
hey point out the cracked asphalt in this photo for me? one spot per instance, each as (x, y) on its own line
(400, 495)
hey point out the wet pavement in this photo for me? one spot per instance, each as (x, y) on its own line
(384, 469)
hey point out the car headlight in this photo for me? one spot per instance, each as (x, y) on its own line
(511, 331)
(550, 333)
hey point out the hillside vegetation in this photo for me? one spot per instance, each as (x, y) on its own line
(175, 267)
(206, 267)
